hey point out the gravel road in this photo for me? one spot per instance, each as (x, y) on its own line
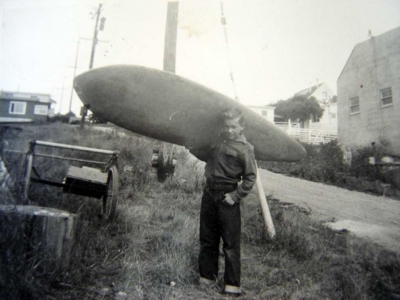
(375, 218)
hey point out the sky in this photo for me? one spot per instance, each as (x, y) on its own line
(275, 48)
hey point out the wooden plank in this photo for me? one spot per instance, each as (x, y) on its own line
(87, 174)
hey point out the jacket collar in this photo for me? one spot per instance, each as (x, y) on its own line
(241, 139)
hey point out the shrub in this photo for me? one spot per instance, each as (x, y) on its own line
(360, 166)
(324, 163)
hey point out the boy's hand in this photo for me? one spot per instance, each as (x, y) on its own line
(228, 200)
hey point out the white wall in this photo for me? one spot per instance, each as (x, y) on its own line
(269, 111)
(373, 65)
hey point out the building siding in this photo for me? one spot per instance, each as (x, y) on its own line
(372, 66)
(323, 94)
(269, 112)
(37, 106)
(29, 112)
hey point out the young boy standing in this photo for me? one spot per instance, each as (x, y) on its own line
(228, 161)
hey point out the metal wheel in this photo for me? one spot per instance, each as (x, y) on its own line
(110, 197)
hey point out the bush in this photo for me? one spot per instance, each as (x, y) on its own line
(360, 166)
(324, 163)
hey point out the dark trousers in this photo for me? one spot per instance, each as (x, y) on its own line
(219, 220)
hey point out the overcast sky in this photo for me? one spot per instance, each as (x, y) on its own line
(276, 48)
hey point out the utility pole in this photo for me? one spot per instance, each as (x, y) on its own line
(171, 32)
(94, 42)
(62, 94)
(163, 160)
(72, 89)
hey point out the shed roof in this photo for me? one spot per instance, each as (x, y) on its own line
(36, 97)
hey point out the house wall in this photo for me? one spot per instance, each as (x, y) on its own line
(29, 112)
(373, 65)
(323, 93)
(269, 110)
(329, 119)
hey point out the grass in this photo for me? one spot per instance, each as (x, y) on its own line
(154, 240)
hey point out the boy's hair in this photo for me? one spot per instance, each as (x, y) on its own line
(233, 113)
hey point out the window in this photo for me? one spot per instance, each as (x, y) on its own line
(17, 108)
(354, 105)
(264, 113)
(386, 97)
(41, 110)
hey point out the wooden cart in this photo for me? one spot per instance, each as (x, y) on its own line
(101, 183)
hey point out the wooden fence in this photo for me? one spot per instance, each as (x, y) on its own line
(315, 134)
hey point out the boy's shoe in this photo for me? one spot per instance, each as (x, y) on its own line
(206, 282)
(232, 290)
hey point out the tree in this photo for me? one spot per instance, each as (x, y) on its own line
(299, 107)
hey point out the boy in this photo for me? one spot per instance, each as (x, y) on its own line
(228, 161)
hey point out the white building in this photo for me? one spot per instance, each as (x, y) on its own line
(369, 94)
(268, 112)
(327, 100)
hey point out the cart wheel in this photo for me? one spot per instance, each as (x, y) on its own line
(110, 197)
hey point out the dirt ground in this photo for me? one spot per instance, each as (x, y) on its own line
(371, 217)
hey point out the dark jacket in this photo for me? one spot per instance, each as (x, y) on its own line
(229, 162)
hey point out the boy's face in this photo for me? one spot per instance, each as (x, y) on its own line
(232, 128)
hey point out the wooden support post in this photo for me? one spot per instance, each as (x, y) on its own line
(269, 225)
(28, 171)
(45, 234)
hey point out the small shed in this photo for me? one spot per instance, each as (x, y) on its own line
(266, 111)
(24, 107)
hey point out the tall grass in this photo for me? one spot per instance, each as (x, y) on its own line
(150, 251)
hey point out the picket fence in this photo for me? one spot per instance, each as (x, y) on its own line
(315, 134)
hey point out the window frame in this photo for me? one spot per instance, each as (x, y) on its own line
(264, 113)
(38, 107)
(354, 105)
(325, 96)
(381, 98)
(10, 110)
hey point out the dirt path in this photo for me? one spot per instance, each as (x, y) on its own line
(371, 217)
